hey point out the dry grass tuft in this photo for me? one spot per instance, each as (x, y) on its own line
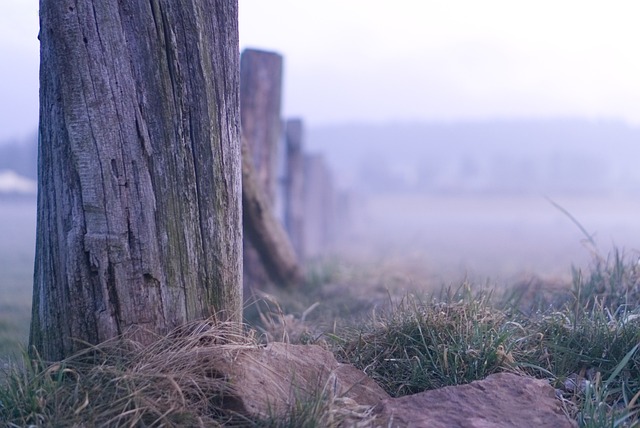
(173, 382)
(276, 325)
(170, 383)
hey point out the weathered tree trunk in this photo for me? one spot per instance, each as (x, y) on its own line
(294, 185)
(264, 231)
(139, 216)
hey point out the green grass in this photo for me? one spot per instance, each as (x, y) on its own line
(420, 345)
(426, 343)
(586, 346)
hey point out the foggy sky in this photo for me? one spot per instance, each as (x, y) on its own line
(374, 60)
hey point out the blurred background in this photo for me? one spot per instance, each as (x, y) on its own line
(467, 138)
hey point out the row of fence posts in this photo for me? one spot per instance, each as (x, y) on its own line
(298, 185)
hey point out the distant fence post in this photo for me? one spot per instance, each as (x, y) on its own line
(260, 99)
(344, 222)
(319, 211)
(294, 185)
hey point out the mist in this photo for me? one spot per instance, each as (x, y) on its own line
(450, 131)
(489, 200)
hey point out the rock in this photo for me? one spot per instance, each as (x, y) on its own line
(267, 380)
(501, 400)
(576, 384)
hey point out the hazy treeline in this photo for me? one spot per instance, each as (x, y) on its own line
(20, 156)
(528, 156)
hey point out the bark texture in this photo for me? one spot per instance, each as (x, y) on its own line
(139, 215)
(264, 231)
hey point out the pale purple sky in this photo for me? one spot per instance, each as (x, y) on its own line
(375, 60)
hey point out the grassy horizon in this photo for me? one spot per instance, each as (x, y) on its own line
(408, 331)
(17, 253)
(585, 346)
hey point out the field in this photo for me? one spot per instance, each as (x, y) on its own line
(416, 241)
(421, 281)
(494, 236)
(17, 248)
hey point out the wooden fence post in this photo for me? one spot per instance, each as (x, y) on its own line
(260, 99)
(319, 208)
(268, 254)
(294, 185)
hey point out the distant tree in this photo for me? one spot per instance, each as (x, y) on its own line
(139, 204)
